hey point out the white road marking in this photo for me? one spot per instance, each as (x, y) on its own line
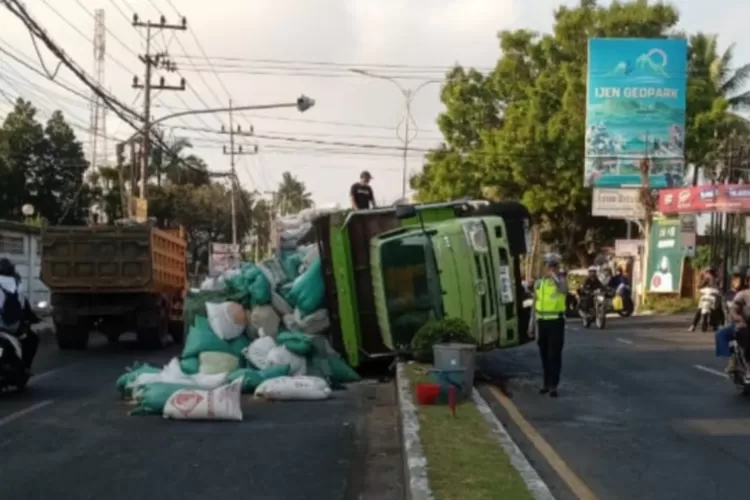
(624, 341)
(14, 416)
(43, 375)
(710, 370)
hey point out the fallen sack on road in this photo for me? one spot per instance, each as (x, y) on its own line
(201, 339)
(251, 379)
(279, 356)
(313, 323)
(172, 374)
(257, 352)
(264, 318)
(294, 389)
(152, 398)
(124, 385)
(227, 319)
(221, 403)
(300, 344)
(212, 363)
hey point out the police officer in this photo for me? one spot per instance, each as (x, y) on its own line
(549, 319)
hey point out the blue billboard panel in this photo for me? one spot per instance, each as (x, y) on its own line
(635, 108)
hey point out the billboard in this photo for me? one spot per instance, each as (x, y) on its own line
(665, 256)
(635, 108)
(730, 198)
(617, 203)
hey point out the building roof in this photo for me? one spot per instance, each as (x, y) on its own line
(19, 227)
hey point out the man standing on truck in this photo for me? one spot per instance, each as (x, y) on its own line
(548, 317)
(360, 194)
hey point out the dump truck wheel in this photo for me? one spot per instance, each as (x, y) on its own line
(156, 337)
(71, 338)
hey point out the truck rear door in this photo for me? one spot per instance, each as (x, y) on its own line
(107, 258)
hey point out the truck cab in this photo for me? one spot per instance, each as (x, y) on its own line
(390, 270)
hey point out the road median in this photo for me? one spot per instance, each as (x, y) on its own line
(467, 456)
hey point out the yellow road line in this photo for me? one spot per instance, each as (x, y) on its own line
(576, 485)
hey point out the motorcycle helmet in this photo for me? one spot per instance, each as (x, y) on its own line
(738, 270)
(7, 268)
(592, 270)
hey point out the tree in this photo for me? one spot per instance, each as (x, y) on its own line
(292, 195)
(178, 169)
(518, 133)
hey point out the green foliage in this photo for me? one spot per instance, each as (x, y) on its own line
(292, 195)
(438, 332)
(518, 133)
(42, 165)
(668, 303)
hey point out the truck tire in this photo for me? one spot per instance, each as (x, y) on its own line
(71, 337)
(155, 337)
(177, 332)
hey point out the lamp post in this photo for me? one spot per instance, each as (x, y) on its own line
(408, 95)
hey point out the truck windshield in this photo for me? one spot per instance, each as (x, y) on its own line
(412, 285)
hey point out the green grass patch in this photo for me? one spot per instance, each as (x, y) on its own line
(464, 459)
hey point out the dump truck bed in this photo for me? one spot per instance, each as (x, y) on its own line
(137, 258)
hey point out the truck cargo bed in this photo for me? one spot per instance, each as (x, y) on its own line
(113, 259)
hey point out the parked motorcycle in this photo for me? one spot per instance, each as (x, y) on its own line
(708, 304)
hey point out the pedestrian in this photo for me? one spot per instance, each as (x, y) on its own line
(361, 194)
(549, 320)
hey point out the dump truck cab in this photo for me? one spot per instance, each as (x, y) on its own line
(455, 268)
(388, 271)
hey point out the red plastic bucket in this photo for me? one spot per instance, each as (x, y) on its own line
(427, 394)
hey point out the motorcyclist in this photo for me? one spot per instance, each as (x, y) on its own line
(592, 283)
(16, 315)
(709, 280)
(739, 298)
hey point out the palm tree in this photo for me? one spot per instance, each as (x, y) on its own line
(728, 81)
(292, 195)
(190, 170)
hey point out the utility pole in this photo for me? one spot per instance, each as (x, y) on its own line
(233, 153)
(151, 61)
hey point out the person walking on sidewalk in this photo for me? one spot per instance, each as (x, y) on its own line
(548, 318)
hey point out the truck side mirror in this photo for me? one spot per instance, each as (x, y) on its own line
(405, 211)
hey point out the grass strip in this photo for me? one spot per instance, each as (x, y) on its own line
(464, 459)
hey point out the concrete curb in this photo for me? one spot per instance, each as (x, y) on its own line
(537, 487)
(415, 463)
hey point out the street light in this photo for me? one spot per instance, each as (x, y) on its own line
(408, 97)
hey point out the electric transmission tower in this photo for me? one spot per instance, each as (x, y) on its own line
(98, 122)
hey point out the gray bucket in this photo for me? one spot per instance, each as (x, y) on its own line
(455, 356)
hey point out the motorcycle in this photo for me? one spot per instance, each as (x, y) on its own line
(602, 305)
(13, 373)
(741, 376)
(586, 307)
(707, 304)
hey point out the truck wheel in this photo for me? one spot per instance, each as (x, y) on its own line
(177, 332)
(71, 338)
(156, 337)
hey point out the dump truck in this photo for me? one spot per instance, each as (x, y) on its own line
(115, 279)
(387, 271)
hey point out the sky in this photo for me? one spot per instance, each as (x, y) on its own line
(267, 52)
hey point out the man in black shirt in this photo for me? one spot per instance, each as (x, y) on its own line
(361, 194)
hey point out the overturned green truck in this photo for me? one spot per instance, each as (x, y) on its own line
(387, 271)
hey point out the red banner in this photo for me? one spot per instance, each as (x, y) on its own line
(719, 198)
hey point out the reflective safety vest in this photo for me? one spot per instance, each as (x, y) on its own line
(549, 302)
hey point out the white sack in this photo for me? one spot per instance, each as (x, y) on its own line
(227, 319)
(294, 388)
(257, 352)
(209, 284)
(221, 403)
(212, 363)
(280, 356)
(172, 374)
(311, 324)
(280, 305)
(264, 317)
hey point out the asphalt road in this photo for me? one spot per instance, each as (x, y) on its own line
(644, 413)
(70, 436)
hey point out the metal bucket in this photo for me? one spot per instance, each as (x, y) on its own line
(455, 356)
